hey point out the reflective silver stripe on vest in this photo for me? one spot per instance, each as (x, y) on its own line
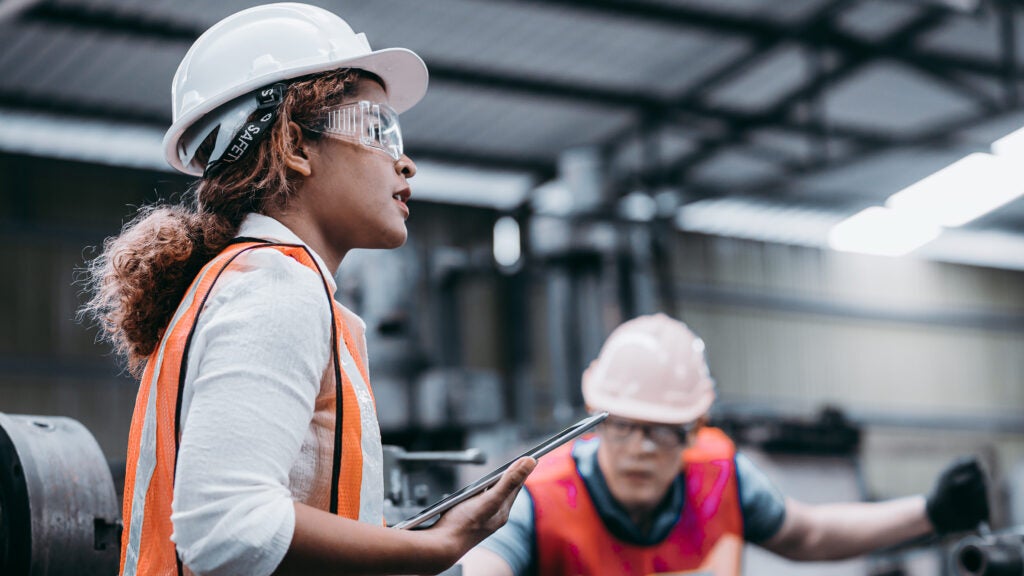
(371, 493)
(147, 445)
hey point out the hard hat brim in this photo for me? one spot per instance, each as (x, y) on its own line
(404, 74)
(649, 413)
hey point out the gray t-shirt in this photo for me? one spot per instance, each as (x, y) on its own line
(762, 505)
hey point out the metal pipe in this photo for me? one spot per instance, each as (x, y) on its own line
(991, 556)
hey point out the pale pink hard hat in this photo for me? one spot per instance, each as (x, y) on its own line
(651, 368)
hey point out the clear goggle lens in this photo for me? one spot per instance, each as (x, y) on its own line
(368, 123)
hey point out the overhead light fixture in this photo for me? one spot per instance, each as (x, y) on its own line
(757, 220)
(882, 232)
(1010, 146)
(507, 242)
(961, 192)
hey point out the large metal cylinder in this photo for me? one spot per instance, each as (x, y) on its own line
(59, 513)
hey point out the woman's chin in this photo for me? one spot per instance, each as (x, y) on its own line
(396, 239)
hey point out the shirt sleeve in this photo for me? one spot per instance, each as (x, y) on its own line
(258, 354)
(763, 505)
(514, 541)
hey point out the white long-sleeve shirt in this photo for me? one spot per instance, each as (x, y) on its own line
(257, 425)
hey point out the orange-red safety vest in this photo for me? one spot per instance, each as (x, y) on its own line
(146, 546)
(708, 538)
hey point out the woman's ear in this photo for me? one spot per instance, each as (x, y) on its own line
(296, 158)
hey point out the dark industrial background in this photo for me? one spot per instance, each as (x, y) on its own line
(682, 156)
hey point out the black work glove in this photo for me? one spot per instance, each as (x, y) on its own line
(959, 499)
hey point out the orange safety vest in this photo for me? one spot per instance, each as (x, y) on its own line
(708, 538)
(146, 546)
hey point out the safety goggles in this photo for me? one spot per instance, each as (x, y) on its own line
(663, 435)
(368, 123)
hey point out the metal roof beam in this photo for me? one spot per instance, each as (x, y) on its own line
(736, 122)
(123, 23)
(65, 105)
(641, 102)
(761, 47)
(944, 135)
(781, 112)
(111, 20)
(760, 30)
(108, 19)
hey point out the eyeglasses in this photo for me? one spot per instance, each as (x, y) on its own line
(371, 124)
(663, 435)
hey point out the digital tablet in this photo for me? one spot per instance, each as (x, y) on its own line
(549, 444)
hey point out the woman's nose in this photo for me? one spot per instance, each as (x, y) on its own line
(405, 166)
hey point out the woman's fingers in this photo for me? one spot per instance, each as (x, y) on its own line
(475, 519)
(513, 478)
(497, 501)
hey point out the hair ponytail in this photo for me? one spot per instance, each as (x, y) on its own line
(139, 279)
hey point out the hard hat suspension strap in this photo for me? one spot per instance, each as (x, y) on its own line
(268, 100)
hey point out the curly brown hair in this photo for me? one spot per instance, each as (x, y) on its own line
(140, 277)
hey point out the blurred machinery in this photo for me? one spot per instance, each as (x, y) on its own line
(59, 514)
(830, 433)
(404, 494)
(991, 555)
(419, 381)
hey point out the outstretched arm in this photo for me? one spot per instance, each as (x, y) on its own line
(836, 531)
(958, 501)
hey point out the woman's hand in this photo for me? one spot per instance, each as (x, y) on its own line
(475, 519)
(326, 544)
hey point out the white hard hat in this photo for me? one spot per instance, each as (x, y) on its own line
(267, 44)
(651, 368)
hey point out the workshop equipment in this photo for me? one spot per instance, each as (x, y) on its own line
(59, 513)
(403, 497)
(999, 554)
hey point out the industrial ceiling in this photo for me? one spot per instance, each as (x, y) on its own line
(814, 105)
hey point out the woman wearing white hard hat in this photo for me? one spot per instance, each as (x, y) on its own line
(254, 447)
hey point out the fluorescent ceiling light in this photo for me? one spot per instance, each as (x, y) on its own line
(993, 248)
(883, 232)
(758, 220)
(962, 191)
(1010, 146)
(507, 242)
(796, 225)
